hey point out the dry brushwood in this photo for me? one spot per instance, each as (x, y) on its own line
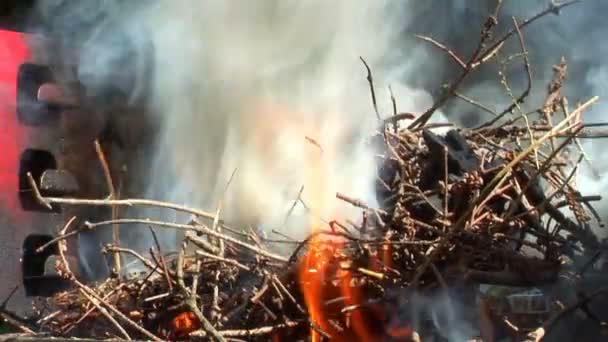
(494, 204)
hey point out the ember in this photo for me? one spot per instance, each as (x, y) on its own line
(496, 204)
(184, 324)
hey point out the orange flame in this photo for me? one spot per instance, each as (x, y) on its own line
(319, 276)
(354, 297)
(327, 287)
(311, 275)
(321, 281)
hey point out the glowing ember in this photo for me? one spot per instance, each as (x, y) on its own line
(185, 323)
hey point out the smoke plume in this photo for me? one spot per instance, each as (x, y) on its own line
(273, 90)
(276, 91)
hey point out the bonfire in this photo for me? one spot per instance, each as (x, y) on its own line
(494, 204)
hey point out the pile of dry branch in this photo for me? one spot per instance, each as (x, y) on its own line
(494, 204)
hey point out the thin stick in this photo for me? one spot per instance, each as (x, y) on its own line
(475, 103)
(314, 142)
(144, 261)
(201, 229)
(446, 185)
(552, 9)
(471, 64)
(479, 58)
(190, 300)
(370, 80)
(106, 170)
(47, 201)
(86, 314)
(216, 221)
(449, 51)
(259, 331)
(160, 256)
(526, 92)
(356, 202)
(293, 205)
(92, 300)
(524, 52)
(201, 243)
(111, 196)
(501, 176)
(394, 102)
(104, 312)
(222, 259)
(12, 318)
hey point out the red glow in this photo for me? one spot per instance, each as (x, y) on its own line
(13, 52)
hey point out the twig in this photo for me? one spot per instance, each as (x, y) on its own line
(394, 102)
(223, 259)
(500, 177)
(471, 64)
(553, 9)
(524, 52)
(398, 117)
(201, 229)
(111, 196)
(106, 170)
(202, 243)
(47, 201)
(480, 57)
(293, 205)
(160, 256)
(475, 103)
(86, 314)
(12, 318)
(144, 261)
(449, 51)
(94, 295)
(86, 294)
(314, 142)
(526, 91)
(104, 312)
(370, 80)
(190, 298)
(446, 185)
(356, 202)
(259, 331)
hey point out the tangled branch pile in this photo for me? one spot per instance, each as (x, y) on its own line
(495, 204)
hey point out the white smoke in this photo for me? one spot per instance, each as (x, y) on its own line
(273, 89)
(241, 85)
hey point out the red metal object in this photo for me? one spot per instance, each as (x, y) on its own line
(13, 52)
(25, 146)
